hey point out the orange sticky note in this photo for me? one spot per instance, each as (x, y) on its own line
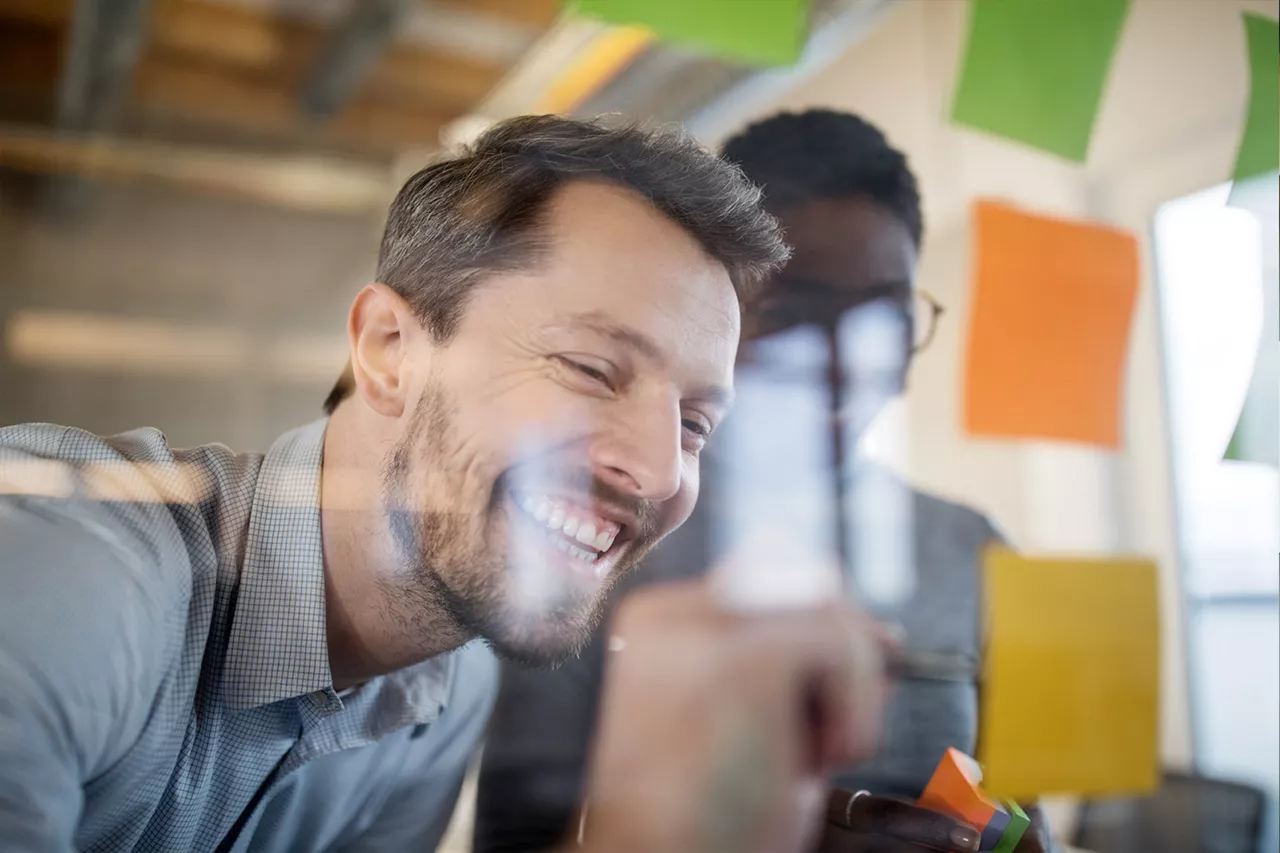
(1049, 327)
(954, 790)
(1070, 686)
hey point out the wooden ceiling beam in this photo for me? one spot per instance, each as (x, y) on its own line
(169, 87)
(305, 183)
(531, 13)
(49, 13)
(284, 50)
(230, 33)
(413, 74)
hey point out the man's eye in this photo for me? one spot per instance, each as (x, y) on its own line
(697, 428)
(588, 370)
(697, 432)
(595, 374)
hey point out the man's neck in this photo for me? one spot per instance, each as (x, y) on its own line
(371, 628)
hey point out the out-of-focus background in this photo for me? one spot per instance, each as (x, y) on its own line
(191, 192)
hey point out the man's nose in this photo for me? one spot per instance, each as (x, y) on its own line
(639, 453)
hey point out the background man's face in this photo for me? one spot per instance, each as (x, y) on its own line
(854, 263)
(555, 439)
(846, 252)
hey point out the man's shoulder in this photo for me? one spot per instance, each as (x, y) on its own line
(131, 493)
(60, 461)
(935, 510)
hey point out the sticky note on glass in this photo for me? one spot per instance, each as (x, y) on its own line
(1070, 683)
(1257, 434)
(1049, 326)
(1260, 143)
(755, 32)
(1034, 70)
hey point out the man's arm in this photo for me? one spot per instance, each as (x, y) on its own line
(76, 625)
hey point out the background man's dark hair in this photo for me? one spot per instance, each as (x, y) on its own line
(461, 219)
(795, 157)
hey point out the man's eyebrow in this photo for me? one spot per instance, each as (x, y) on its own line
(716, 395)
(624, 335)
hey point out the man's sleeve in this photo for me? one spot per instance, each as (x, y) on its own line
(76, 619)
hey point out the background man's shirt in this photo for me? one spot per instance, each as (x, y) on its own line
(164, 672)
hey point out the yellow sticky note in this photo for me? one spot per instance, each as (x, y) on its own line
(1071, 684)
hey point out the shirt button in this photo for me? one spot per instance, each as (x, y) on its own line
(318, 698)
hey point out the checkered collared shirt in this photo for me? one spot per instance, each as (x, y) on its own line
(164, 673)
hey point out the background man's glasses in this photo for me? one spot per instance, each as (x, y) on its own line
(927, 312)
(802, 303)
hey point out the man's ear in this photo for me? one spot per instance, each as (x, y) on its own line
(380, 327)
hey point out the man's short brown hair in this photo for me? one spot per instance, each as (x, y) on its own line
(460, 219)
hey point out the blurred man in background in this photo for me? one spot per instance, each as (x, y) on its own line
(850, 209)
(202, 650)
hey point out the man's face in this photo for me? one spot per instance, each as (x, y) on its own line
(852, 259)
(845, 252)
(555, 439)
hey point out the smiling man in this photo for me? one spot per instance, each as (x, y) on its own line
(204, 650)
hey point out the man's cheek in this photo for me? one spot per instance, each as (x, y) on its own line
(675, 512)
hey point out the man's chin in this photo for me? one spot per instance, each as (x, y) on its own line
(537, 655)
(545, 640)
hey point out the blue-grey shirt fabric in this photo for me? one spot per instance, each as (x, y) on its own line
(164, 673)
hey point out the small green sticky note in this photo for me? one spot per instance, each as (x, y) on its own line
(1018, 823)
(1257, 434)
(1034, 70)
(755, 32)
(1260, 144)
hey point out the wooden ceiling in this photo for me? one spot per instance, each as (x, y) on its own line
(358, 77)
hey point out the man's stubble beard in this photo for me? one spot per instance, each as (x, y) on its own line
(443, 576)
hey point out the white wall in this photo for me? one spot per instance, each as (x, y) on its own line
(1168, 125)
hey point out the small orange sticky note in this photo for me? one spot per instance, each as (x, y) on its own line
(1049, 326)
(1070, 686)
(954, 789)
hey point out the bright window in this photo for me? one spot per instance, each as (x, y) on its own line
(1215, 263)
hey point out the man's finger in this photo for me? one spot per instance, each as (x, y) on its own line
(838, 840)
(902, 821)
(853, 690)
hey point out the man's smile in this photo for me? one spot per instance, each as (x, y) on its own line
(577, 527)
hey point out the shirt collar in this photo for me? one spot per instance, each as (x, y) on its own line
(278, 647)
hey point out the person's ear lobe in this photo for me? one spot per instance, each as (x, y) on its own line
(380, 327)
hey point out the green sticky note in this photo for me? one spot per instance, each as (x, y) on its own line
(1260, 145)
(1257, 434)
(755, 32)
(1018, 823)
(1034, 70)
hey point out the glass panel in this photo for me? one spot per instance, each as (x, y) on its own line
(1210, 262)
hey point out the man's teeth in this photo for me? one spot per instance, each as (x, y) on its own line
(572, 550)
(557, 516)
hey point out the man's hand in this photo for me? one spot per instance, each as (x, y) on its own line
(717, 728)
(861, 823)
